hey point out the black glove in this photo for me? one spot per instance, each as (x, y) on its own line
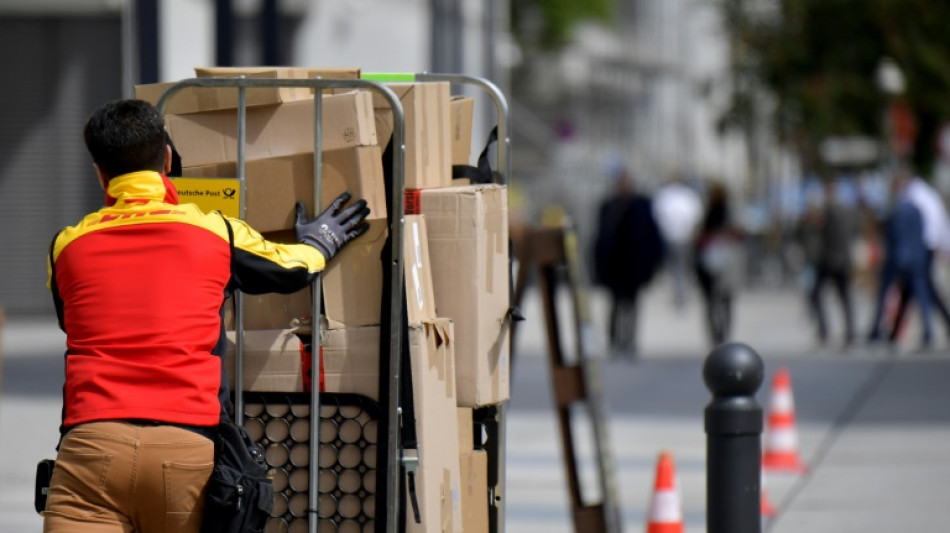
(334, 227)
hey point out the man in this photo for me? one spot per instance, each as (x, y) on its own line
(835, 233)
(905, 259)
(936, 229)
(139, 288)
(628, 252)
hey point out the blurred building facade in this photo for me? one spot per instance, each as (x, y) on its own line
(644, 91)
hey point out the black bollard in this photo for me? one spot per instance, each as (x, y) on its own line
(733, 373)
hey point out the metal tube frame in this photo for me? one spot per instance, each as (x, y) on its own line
(497, 491)
(393, 448)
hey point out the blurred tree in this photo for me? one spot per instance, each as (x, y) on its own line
(549, 24)
(820, 58)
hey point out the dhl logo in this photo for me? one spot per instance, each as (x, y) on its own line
(110, 218)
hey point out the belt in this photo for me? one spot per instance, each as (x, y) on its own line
(209, 432)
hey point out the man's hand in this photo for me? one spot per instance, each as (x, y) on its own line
(334, 227)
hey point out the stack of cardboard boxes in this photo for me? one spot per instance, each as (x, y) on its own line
(455, 257)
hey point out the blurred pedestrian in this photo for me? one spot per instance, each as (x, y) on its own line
(937, 238)
(678, 209)
(717, 261)
(905, 258)
(835, 237)
(628, 252)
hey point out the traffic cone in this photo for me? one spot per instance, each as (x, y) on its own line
(781, 439)
(766, 508)
(666, 512)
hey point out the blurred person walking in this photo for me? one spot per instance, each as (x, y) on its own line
(678, 209)
(937, 238)
(835, 232)
(905, 258)
(627, 253)
(717, 263)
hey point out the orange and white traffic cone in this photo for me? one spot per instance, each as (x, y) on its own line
(766, 508)
(781, 438)
(666, 511)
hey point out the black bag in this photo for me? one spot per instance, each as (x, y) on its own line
(240, 496)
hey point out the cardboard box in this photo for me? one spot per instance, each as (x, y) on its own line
(200, 99)
(353, 281)
(273, 131)
(274, 185)
(286, 94)
(420, 299)
(351, 287)
(468, 249)
(474, 470)
(428, 143)
(461, 111)
(351, 360)
(275, 311)
(438, 483)
(466, 429)
(272, 361)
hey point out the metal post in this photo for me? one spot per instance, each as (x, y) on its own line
(224, 33)
(733, 373)
(316, 346)
(238, 295)
(147, 27)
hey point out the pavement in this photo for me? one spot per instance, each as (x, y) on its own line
(873, 423)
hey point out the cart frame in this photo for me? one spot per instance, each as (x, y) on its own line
(394, 458)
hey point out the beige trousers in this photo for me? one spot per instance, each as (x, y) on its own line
(113, 477)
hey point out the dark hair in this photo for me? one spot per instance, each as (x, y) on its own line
(126, 136)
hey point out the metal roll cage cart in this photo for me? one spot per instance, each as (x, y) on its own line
(492, 417)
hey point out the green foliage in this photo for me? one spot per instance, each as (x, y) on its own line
(819, 58)
(549, 24)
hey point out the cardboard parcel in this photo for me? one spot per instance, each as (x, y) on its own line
(199, 99)
(273, 131)
(468, 249)
(275, 184)
(425, 107)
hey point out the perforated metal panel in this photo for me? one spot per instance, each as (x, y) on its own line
(280, 423)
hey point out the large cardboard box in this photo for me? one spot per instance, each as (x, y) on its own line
(462, 109)
(272, 360)
(274, 185)
(468, 248)
(474, 470)
(273, 131)
(286, 94)
(351, 360)
(353, 281)
(420, 299)
(275, 311)
(425, 107)
(351, 286)
(198, 99)
(433, 381)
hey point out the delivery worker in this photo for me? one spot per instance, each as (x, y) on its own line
(139, 288)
